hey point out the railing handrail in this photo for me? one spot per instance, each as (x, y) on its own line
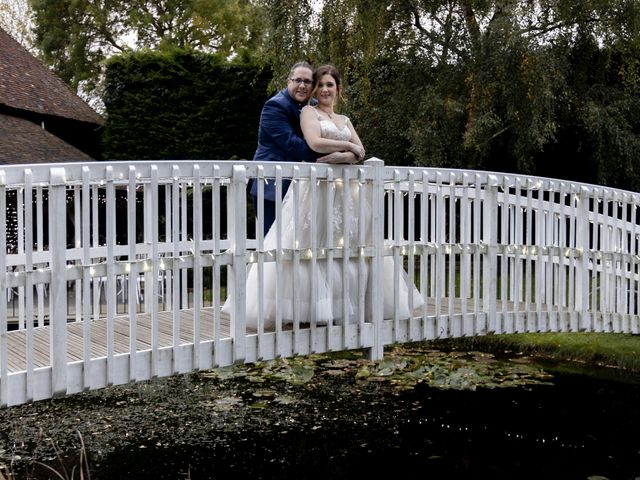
(13, 174)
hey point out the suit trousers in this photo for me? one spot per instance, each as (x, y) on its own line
(269, 213)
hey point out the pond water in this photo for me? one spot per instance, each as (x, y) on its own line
(577, 427)
(313, 418)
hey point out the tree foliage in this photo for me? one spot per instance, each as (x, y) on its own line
(504, 85)
(76, 36)
(544, 87)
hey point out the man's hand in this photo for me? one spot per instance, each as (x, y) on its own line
(339, 158)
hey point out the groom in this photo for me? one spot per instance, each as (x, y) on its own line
(279, 135)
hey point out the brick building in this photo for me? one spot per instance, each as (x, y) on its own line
(41, 118)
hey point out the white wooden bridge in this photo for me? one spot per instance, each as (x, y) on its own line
(116, 272)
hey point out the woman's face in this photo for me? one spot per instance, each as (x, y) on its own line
(327, 91)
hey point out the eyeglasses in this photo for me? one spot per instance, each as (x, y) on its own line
(306, 81)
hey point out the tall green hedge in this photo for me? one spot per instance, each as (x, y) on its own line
(182, 104)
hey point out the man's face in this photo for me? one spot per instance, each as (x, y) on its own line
(299, 84)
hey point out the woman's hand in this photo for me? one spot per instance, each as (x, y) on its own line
(358, 151)
(339, 158)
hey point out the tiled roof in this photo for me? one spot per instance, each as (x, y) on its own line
(26, 84)
(22, 141)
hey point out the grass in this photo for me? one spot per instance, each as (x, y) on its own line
(601, 349)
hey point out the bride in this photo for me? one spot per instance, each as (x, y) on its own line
(334, 290)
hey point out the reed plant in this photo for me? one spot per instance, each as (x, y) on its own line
(79, 471)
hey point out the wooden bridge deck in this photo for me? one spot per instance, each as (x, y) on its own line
(17, 339)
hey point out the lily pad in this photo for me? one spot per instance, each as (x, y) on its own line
(264, 393)
(286, 400)
(227, 403)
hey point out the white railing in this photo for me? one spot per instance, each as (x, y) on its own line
(117, 272)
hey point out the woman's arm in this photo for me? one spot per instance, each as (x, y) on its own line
(312, 134)
(356, 139)
(339, 158)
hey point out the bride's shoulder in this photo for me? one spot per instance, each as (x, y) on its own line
(309, 111)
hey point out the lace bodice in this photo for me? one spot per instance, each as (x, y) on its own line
(330, 130)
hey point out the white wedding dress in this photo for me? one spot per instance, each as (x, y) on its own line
(330, 290)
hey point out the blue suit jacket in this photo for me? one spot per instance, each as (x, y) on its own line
(280, 138)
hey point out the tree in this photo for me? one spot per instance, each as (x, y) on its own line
(491, 84)
(499, 75)
(487, 84)
(357, 36)
(76, 36)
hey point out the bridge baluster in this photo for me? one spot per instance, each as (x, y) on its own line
(237, 237)
(58, 295)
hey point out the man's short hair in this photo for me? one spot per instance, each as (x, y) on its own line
(300, 65)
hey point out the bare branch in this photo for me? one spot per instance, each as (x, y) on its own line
(417, 23)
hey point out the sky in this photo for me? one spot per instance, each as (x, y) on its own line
(14, 19)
